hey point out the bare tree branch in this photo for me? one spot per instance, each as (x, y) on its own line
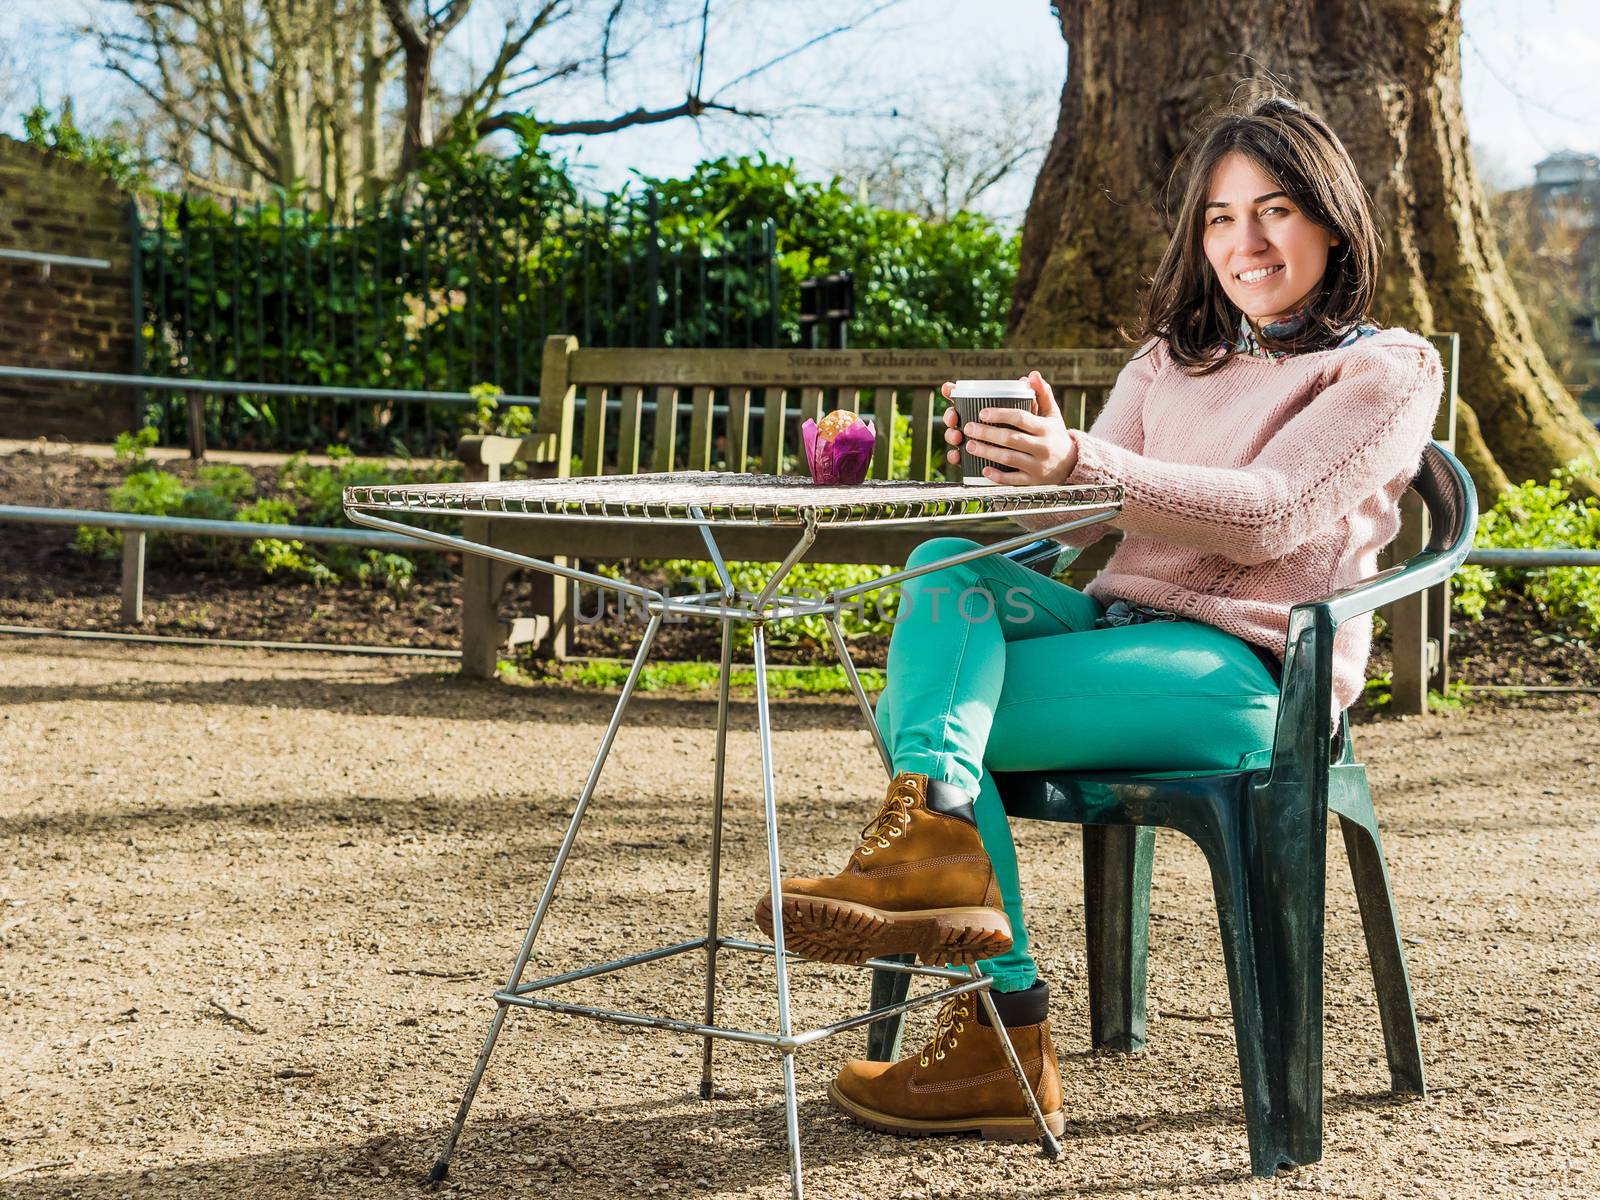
(694, 104)
(489, 88)
(605, 38)
(700, 55)
(691, 107)
(808, 44)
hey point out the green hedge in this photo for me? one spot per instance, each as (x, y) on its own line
(1537, 516)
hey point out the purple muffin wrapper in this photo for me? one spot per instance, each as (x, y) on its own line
(845, 460)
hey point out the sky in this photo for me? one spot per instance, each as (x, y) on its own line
(1530, 79)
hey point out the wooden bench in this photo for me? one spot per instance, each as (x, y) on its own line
(743, 408)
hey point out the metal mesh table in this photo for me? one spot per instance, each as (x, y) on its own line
(711, 501)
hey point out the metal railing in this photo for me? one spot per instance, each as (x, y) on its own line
(137, 527)
(198, 389)
(200, 418)
(1534, 559)
(46, 259)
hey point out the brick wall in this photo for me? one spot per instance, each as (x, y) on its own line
(73, 318)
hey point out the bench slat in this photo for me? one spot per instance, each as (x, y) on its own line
(775, 416)
(836, 368)
(738, 428)
(631, 421)
(883, 418)
(922, 421)
(811, 399)
(595, 412)
(700, 430)
(666, 429)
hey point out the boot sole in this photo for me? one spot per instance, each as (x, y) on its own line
(994, 1129)
(839, 931)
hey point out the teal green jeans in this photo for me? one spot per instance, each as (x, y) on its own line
(994, 667)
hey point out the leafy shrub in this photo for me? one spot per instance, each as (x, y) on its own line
(1536, 516)
(312, 495)
(870, 616)
(490, 255)
(918, 283)
(132, 448)
(112, 155)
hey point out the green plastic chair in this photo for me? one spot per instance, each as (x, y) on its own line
(1263, 833)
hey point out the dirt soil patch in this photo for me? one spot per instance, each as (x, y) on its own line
(252, 908)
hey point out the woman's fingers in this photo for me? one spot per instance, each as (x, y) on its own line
(996, 453)
(1044, 396)
(1015, 418)
(945, 388)
(1001, 435)
(1014, 478)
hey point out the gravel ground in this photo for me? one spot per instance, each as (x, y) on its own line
(252, 906)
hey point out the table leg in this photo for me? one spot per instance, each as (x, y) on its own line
(774, 880)
(1048, 1146)
(706, 1087)
(441, 1165)
(860, 692)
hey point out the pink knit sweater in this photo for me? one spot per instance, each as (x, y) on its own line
(1264, 485)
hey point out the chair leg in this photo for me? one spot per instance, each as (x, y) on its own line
(1258, 1074)
(1388, 956)
(888, 987)
(1116, 908)
(1287, 874)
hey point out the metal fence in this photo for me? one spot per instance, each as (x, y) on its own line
(422, 295)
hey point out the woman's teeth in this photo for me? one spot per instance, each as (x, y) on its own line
(1259, 274)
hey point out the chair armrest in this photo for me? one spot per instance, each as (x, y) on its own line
(1417, 574)
(1036, 556)
(1312, 625)
(1452, 503)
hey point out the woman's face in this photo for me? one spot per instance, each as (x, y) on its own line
(1268, 254)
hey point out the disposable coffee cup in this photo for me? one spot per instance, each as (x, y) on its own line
(972, 396)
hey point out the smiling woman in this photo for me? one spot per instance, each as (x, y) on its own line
(1261, 455)
(1268, 255)
(1275, 244)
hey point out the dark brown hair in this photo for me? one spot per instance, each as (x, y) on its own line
(1186, 306)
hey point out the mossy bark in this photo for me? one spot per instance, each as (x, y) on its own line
(1386, 74)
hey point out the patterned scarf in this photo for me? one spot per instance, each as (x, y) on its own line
(1287, 327)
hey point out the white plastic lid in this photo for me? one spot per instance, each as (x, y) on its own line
(991, 389)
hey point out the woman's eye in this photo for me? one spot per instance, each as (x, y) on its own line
(1215, 219)
(1274, 209)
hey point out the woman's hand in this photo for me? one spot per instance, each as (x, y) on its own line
(1027, 447)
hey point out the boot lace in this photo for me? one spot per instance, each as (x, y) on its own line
(951, 1021)
(892, 821)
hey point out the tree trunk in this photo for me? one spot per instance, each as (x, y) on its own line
(417, 132)
(373, 60)
(1386, 74)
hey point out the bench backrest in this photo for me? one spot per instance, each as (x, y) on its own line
(595, 403)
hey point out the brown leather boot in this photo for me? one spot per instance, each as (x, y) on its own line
(920, 883)
(960, 1082)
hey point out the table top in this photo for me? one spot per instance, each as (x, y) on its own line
(728, 498)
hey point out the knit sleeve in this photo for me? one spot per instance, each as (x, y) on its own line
(1120, 423)
(1355, 436)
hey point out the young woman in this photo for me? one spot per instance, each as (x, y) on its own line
(1263, 436)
